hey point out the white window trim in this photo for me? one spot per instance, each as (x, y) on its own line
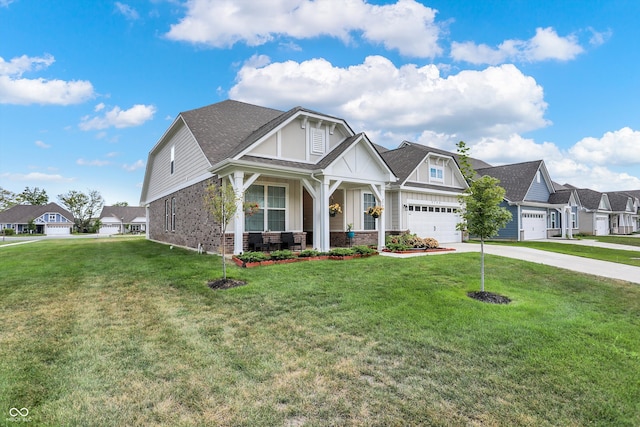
(437, 169)
(286, 208)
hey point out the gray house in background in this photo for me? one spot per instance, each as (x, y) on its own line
(50, 219)
(123, 219)
(531, 198)
(593, 215)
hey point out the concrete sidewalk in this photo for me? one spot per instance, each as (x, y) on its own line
(594, 267)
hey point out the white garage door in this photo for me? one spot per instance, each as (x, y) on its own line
(58, 230)
(109, 228)
(434, 221)
(602, 225)
(534, 224)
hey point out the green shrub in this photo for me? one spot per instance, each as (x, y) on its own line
(282, 254)
(8, 231)
(341, 252)
(307, 253)
(253, 256)
(363, 250)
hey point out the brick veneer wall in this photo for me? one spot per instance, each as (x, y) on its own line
(194, 224)
(339, 238)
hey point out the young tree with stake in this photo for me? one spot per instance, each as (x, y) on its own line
(482, 215)
(221, 202)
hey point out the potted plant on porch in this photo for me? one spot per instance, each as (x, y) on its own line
(334, 209)
(375, 211)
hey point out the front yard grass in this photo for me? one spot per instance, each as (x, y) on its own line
(125, 332)
(618, 240)
(619, 256)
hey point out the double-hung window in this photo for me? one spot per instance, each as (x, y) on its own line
(369, 201)
(552, 219)
(166, 215)
(272, 203)
(173, 214)
(436, 173)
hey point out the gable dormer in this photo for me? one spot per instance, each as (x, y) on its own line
(305, 137)
(437, 169)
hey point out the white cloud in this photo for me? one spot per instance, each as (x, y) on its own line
(545, 45)
(99, 107)
(83, 162)
(406, 25)
(378, 95)
(36, 176)
(127, 11)
(41, 144)
(6, 3)
(14, 89)
(118, 118)
(599, 38)
(513, 149)
(620, 147)
(133, 167)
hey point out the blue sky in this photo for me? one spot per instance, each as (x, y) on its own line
(88, 88)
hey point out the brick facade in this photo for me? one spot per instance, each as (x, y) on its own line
(194, 225)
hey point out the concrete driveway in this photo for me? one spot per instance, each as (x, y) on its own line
(594, 267)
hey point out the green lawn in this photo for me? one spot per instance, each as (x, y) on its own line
(619, 240)
(619, 256)
(104, 332)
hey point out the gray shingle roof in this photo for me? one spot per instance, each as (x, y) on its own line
(404, 159)
(590, 199)
(618, 201)
(515, 178)
(561, 196)
(128, 213)
(223, 128)
(22, 214)
(226, 128)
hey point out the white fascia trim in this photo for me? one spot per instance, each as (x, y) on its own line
(430, 191)
(249, 166)
(432, 203)
(182, 186)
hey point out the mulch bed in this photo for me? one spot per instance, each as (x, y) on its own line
(225, 283)
(489, 297)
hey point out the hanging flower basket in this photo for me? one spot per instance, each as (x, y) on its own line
(335, 209)
(251, 208)
(375, 211)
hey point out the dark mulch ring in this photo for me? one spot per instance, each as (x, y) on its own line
(225, 283)
(489, 297)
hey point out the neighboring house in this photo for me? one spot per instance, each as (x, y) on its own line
(635, 196)
(50, 219)
(537, 211)
(123, 219)
(594, 211)
(293, 164)
(424, 200)
(623, 213)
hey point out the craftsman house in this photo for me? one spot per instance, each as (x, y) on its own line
(538, 210)
(287, 168)
(50, 219)
(123, 220)
(424, 200)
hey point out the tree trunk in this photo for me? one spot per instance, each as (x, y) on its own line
(482, 265)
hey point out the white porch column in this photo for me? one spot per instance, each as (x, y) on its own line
(382, 221)
(323, 216)
(564, 222)
(238, 221)
(569, 213)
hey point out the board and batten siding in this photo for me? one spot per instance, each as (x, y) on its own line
(538, 192)
(510, 231)
(189, 163)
